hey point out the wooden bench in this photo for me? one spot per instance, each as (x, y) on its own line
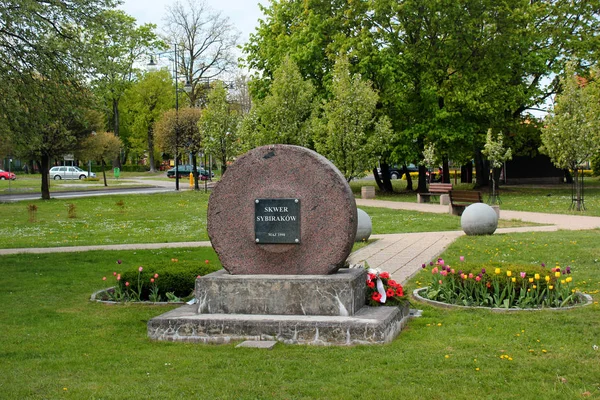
(435, 189)
(460, 199)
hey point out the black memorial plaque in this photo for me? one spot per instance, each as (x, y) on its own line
(277, 221)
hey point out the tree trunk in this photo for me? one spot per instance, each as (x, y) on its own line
(377, 180)
(104, 172)
(195, 169)
(223, 166)
(445, 178)
(481, 170)
(151, 149)
(466, 173)
(386, 183)
(409, 182)
(578, 190)
(422, 186)
(115, 104)
(44, 167)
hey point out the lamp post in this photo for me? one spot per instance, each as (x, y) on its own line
(187, 88)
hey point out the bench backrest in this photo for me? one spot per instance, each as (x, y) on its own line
(440, 187)
(465, 196)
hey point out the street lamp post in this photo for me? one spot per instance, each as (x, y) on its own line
(187, 88)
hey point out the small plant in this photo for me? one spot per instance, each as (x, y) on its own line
(32, 210)
(116, 293)
(154, 295)
(71, 210)
(172, 298)
(513, 286)
(382, 290)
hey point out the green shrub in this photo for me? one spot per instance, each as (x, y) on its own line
(173, 276)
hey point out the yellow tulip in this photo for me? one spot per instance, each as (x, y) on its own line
(513, 280)
(550, 287)
(508, 273)
(497, 271)
(557, 274)
(547, 278)
(537, 277)
(534, 286)
(530, 280)
(563, 281)
(569, 279)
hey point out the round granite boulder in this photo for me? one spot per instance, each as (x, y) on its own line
(282, 210)
(365, 226)
(479, 219)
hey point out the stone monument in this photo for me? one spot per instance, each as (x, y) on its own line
(282, 221)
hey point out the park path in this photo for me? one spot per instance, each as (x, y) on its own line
(400, 254)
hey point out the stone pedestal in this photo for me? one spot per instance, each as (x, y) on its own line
(307, 309)
(341, 294)
(423, 199)
(367, 192)
(444, 199)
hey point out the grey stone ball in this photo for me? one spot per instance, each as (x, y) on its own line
(365, 226)
(479, 219)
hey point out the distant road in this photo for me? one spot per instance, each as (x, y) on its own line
(152, 186)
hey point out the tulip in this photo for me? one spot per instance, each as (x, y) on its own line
(497, 271)
(155, 275)
(508, 273)
(530, 280)
(483, 270)
(119, 277)
(423, 265)
(550, 287)
(523, 274)
(435, 270)
(478, 278)
(537, 277)
(557, 274)
(140, 269)
(462, 258)
(103, 278)
(151, 280)
(568, 269)
(569, 279)
(452, 271)
(444, 273)
(547, 278)
(126, 283)
(513, 280)
(206, 261)
(470, 275)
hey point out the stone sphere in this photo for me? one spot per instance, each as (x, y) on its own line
(479, 219)
(365, 226)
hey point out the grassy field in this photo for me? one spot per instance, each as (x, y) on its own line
(55, 343)
(157, 218)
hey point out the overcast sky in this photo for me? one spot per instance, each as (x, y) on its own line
(244, 14)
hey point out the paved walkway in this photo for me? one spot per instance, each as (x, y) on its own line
(400, 254)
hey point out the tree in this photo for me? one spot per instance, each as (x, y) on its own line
(207, 41)
(44, 59)
(348, 119)
(102, 147)
(219, 125)
(283, 116)
(572, 132)
(177, 129)
(496, 154)
(118, 44)
(147, 99)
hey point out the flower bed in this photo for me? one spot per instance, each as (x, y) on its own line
(501, 286)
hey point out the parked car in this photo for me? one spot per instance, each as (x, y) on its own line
(7, 175)
(64, 172)
(396, 170)
(185, 170)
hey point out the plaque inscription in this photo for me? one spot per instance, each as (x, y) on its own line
(277, 221)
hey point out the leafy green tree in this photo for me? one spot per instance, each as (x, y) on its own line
(102, 147)
(348, 123)
(146, 100)
(42, 75)
(116, 46)
(283, 116)
(219, 125)
(497, 154)
(572, 132)
(177, 129)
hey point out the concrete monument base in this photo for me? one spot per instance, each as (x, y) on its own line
(294, 309)
(370, 325)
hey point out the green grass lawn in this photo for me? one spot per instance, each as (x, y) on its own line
(118, 219)
(55, 343)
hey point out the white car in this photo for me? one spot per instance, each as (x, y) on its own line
(58, 173)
